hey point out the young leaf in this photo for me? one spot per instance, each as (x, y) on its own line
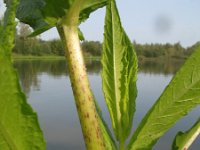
(183, 141)
(42, 15)
(119, 71)
(180, 96)
(19, 129)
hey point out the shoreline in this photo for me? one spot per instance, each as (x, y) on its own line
(54, 57)
(47, 57)
(31, 57)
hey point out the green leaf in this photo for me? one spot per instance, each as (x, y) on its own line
(42, 15)
(19, 128)
(180, 96)
(183, 141)
(8, 27)
(110, 143)
(80, 34)
(119, 71)
(89, 7)
(29, 12)
(38, 31)
(1, 27)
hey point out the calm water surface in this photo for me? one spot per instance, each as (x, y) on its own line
(47, 86)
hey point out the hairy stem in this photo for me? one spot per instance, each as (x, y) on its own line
(84, 98)
(86, 108)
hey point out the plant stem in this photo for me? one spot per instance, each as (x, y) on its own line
(86, 108)
(83, 96)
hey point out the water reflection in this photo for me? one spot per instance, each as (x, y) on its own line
(48, 86)
(167, 67)
(29, 69)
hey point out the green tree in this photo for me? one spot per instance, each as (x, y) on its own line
(92, 47)
(56, 47)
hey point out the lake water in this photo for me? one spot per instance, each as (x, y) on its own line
(48, 89)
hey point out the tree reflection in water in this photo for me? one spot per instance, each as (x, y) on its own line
(29, 70)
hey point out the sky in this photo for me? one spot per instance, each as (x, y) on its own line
(146, 21)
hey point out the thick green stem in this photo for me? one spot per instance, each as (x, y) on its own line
(84, 98)
(86, 108)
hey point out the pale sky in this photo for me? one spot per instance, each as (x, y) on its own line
(147, 21)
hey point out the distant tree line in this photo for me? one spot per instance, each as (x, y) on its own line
(35, 46)
(167, 50)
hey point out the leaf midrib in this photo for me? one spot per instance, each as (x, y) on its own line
(115, 74)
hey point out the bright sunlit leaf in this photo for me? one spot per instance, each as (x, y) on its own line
(119, 71)
(180, 96)
(19, 128)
